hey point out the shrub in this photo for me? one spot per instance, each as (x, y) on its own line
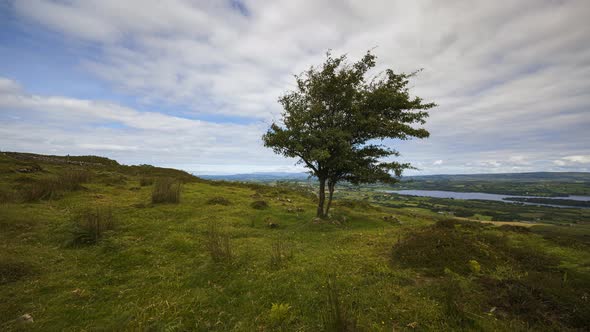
(446, 223)
(218, 201)
(259, 205)
(514, 228)
(166, 190)
(218, 244)
(91, 224)
(146, 181)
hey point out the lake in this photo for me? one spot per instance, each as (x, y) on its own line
(483, 196)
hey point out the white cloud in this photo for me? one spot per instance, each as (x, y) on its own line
(53, 124)
(437, 162)
(511, 77)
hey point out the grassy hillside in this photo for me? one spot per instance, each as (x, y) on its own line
(83, 246)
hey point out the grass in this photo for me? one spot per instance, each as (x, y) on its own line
(146, 181)
(218, 244)
(156, 270)
(91, 225)
(218, 200)
(335, 316)
(166, 190)
(52, 187)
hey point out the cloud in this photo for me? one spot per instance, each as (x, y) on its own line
(511, 78)
(60, 125)
(573, 160)
(437, 162)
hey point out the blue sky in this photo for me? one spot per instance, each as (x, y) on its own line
(194, 84)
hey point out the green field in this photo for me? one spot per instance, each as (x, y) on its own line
(84, 248)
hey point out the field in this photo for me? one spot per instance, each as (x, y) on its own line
(548, 184)
(88, 244)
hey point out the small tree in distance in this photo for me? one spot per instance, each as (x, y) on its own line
(333, 120)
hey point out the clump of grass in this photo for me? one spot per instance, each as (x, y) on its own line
(456, 289)
(280, 253)
(12, 270)
(280, 315)
(7, 196)
(72, 179)
(335, 316)
(91, 225)
(146, 181)
(51, 188)
(166, 190)
(436, 248)
(259, 205)
(219, 200)
(218, 244)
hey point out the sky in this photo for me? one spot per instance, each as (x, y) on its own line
(194, 84)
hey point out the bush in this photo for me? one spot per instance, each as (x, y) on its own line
(446, 223)
(146, 181)
(218, 244)
(166, 190)
(91, 224)
(218, 201)
(259, 205)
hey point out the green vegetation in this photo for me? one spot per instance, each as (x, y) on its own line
(166, 190)
(471, 209)
(549, 184)
(102, 256)
(566, 202)
(334, 116)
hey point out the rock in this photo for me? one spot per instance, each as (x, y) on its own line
(316, 220)
(25, 319)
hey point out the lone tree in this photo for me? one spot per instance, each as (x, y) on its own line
(335, 118)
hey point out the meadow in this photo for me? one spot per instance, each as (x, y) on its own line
(88, 244)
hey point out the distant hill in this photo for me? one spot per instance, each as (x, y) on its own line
(571, 177)
(513, 177)
(534, 184)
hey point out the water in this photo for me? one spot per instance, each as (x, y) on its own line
(483, 196)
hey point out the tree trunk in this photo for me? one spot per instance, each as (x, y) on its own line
(322, 199)
(331, 186)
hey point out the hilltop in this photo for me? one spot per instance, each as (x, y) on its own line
(87, 243)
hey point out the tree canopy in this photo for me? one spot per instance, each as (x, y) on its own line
(335, 120)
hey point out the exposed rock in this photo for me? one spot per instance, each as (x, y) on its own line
(25, 319)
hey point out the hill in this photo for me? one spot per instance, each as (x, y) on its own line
(258, 177)
(534, 184)
(88, 244)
